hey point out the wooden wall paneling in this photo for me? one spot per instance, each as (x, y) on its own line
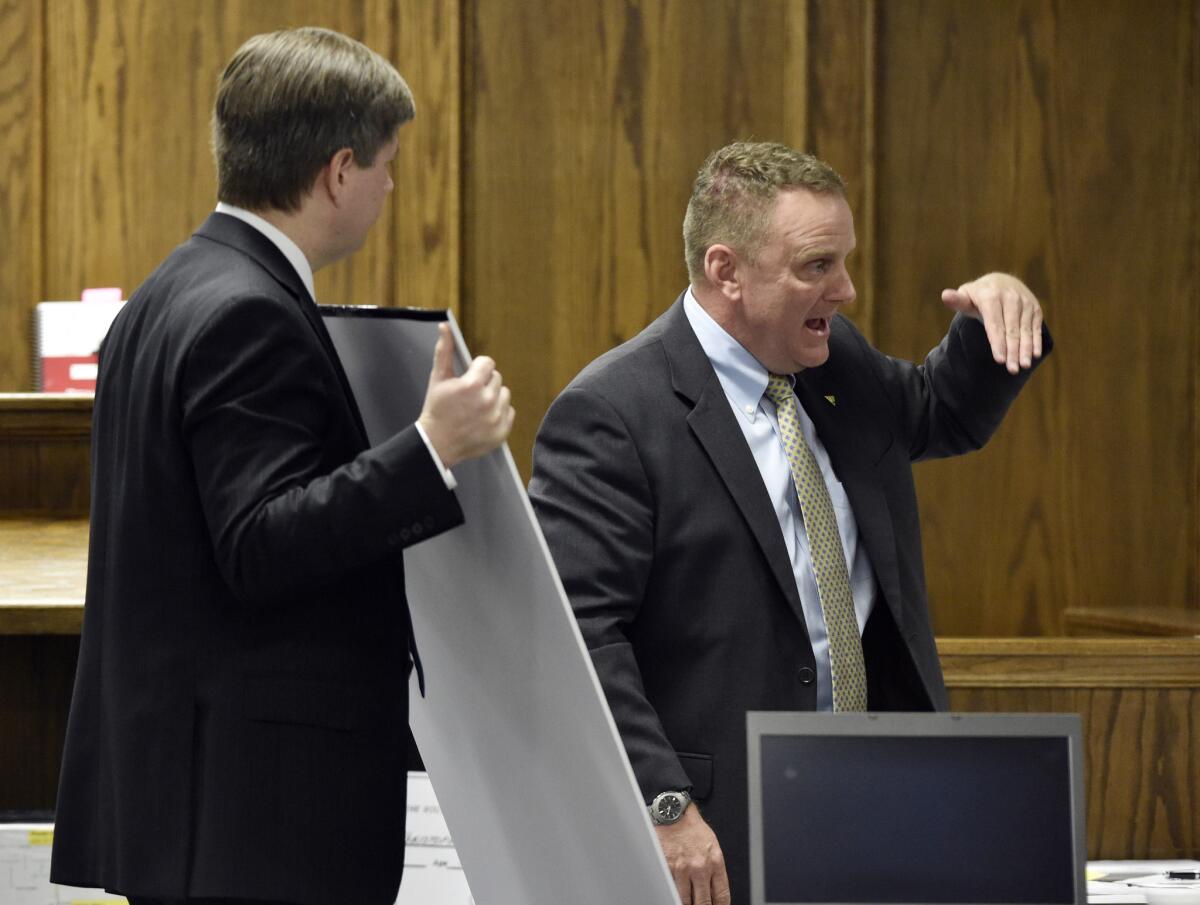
(129, 169)
(1010, 137)
(20, 197)
(584, 126)
(841, 126)
(1139, 702)
(426, 258)
(1192, 232)
(128, 173)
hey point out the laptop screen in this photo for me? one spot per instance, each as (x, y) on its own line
(916, 808)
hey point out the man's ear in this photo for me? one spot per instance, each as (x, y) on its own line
(721, 268)
(334, 176)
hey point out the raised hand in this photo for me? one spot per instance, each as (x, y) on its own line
(1010, 313)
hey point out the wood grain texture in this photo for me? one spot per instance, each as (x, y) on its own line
(20, 195)
(45, 416)
(43, 572)
(1141, 731)
(427, 203)
(1070, 662)
(62, 618)
(584, 125)
(129, 174)
(44, 453)
(1132, 620)
(1007, 140)
(841, 126)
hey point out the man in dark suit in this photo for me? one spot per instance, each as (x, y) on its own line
(729, 497)
(239, 722)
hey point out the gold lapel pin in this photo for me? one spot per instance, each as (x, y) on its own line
(832, 400)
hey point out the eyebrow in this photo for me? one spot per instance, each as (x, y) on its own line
(813, 254)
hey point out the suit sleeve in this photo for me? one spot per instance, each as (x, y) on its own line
(258, 411)
(594, 503)
(956, 399)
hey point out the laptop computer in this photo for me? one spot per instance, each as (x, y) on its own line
(916, 808)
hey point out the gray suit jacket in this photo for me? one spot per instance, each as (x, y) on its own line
(670, 551)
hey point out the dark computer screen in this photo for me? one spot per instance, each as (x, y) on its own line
(917, 819)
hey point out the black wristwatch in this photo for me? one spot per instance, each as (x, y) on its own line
(668, 807)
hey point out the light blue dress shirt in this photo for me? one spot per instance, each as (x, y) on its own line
(745, 381)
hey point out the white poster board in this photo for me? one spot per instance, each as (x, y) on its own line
(514, 730)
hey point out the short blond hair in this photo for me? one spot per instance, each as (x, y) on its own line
(735, 192)
(291, 99)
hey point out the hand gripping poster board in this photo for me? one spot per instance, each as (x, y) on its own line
(514, 730)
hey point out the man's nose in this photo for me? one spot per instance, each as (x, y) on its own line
(844, 292)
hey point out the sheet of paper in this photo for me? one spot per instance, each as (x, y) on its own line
(514, 730)
(1122, 882)
(432, 869)
(25, 870)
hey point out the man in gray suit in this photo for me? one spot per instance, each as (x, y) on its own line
(729, 495)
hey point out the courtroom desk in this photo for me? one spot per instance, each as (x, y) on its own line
(44, 447)
(43, 570)
(1160, 621)
(1139, 700)
(43, 565)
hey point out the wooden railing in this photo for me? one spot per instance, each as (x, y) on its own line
(1139, 700)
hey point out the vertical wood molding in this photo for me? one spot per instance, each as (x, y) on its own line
(37, 207)
(1193, 81)
(21, 196)
(841, 84)
(869, 231)
(796, 78)
(427, 205)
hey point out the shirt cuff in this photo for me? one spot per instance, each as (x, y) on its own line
(447, 476)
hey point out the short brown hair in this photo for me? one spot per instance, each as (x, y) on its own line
(288, 101)
(735, 192)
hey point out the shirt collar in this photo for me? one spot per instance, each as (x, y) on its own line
(742, 377)
(280, 239)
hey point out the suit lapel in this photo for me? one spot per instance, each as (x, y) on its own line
(711, 420)
(854, 462)
(242, 236)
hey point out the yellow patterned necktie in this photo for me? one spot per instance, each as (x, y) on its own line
(825, 549)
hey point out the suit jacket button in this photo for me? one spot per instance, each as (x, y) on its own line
(393, 539)
(404, 535)
(807, 675)
(418, 529)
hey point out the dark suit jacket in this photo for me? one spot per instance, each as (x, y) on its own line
(239, 720)
(670, 551)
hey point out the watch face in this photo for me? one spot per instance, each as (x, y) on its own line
(670, 808)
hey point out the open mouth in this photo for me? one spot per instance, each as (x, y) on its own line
(818, 325)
